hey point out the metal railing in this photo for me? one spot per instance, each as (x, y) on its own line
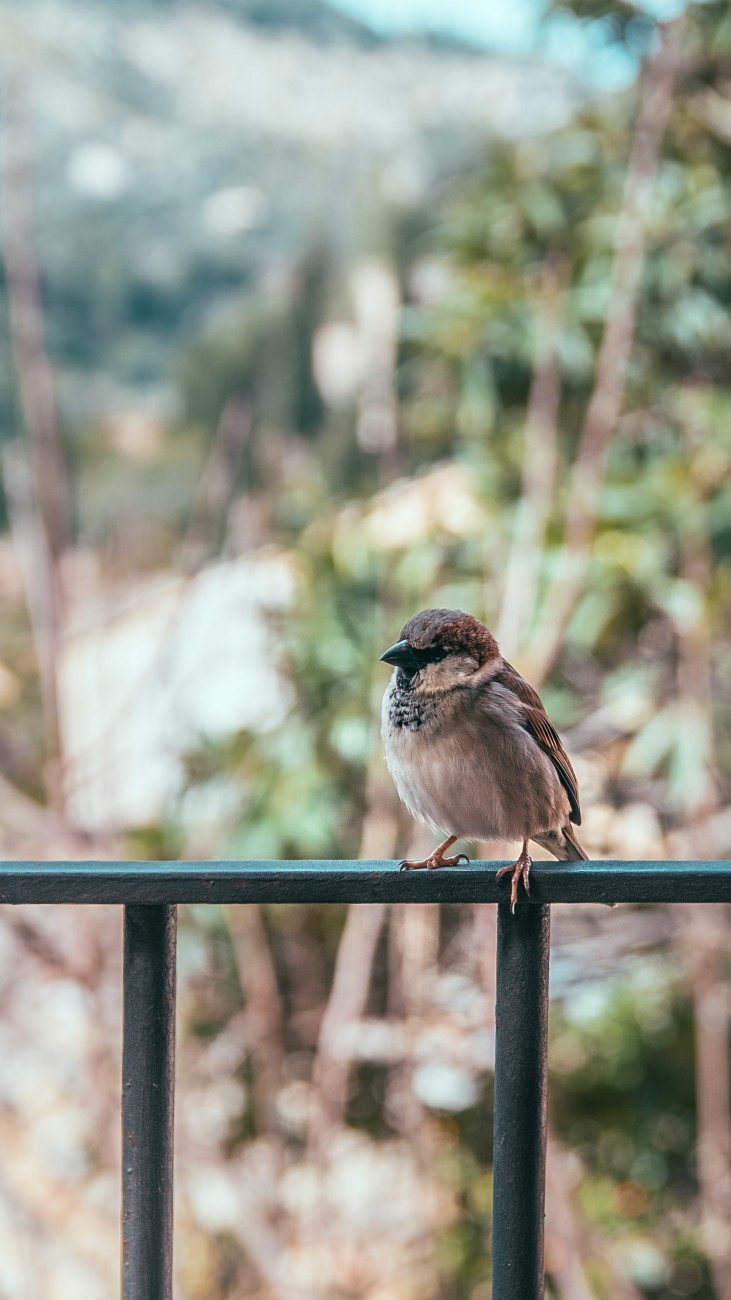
(150, 892)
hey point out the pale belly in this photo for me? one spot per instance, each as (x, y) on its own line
(494, 784)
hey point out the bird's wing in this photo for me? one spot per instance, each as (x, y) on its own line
(538, 723)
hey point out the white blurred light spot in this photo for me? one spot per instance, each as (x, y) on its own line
(216, 1204)
(430, 281)
(60, 1012)
(404, 181)
(377, 426)
(637, 832)
(336, 362)
(10, 687)
(137, 435)
(376, 297)
(294, 1106)
(72, 1280)
(234, 211)
(445, 1086)
(457, 991)
(644, 1263)
(215, 1108)
(589, 1003)
(412, 511)
(98, 171)
(150, 671)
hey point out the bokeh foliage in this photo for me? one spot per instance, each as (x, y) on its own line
(520, 250)
(651, 620)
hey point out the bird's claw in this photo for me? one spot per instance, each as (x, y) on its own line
(432, 862)
(521, 871)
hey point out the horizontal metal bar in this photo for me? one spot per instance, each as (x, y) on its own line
(357, 882)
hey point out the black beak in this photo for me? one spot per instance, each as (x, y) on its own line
(400, 654)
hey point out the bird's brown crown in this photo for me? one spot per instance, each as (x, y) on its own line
(450, 630)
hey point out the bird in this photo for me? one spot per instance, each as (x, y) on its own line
(471, 748)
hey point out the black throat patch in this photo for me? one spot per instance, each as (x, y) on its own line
(408, 710)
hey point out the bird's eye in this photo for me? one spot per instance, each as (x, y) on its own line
(431, 654)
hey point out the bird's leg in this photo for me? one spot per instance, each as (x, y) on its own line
(437, 858)
(521, 871)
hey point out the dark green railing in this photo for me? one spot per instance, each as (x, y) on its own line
(150, 892)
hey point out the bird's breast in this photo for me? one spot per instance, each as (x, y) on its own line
(472, 771)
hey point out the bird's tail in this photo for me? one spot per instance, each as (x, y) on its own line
(563, 844)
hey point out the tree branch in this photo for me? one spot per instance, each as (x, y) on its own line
(25, 310)
(539, 468)
(605, 404)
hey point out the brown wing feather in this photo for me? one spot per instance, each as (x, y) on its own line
(538, 723)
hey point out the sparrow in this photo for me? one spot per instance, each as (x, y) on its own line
(470, 746)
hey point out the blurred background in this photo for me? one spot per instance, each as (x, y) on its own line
(314, 315)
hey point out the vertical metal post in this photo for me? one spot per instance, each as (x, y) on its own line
(148, 1087)
(519, 1152)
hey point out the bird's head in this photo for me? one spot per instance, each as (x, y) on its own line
(442, 648)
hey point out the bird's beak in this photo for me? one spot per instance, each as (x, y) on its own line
(400, 654)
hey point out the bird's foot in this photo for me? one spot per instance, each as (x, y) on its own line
(521, 871)
(435, 859)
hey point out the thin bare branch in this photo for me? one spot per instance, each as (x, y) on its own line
(605, 405)
(25, 310)
(569, 1240)
(217, 483)
(347, 1001)
(539, 468)
(704, 938)
(36, 487)
(42, 595)
(264, 1019)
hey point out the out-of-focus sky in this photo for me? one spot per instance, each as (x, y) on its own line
(515, 28)
(491, 23)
